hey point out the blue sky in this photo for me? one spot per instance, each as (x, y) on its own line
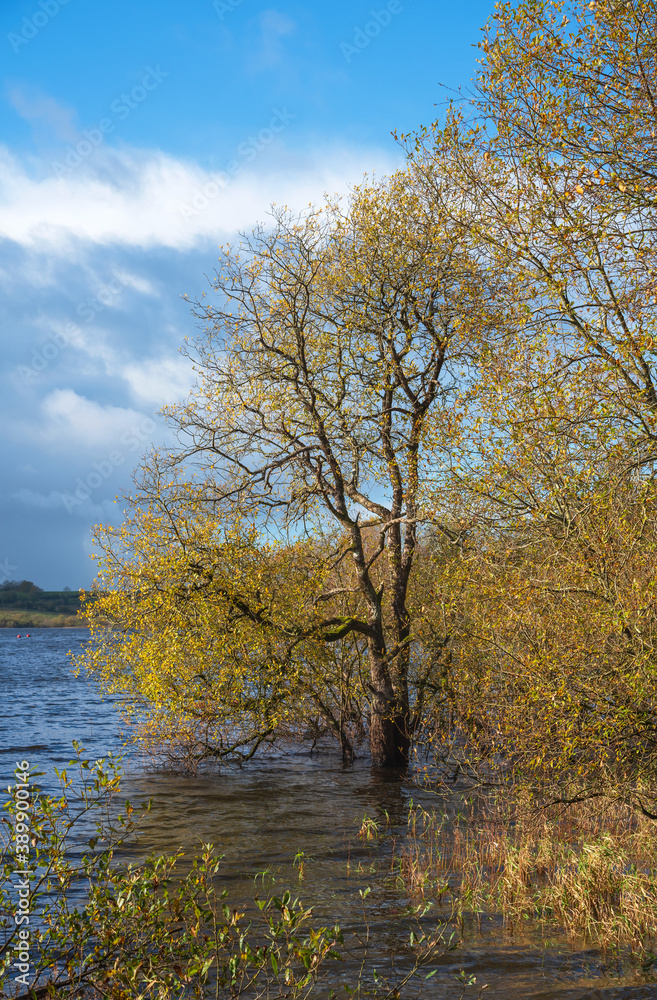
(134, 139)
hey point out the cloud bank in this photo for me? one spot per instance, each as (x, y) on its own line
(148, 199)
(97, 248)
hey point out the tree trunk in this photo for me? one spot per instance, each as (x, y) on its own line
(389, 723)
(389, 741)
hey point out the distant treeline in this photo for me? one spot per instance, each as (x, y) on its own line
(27, 596)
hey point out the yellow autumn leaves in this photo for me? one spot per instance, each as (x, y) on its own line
(414, 488)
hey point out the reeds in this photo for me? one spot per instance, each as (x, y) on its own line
(591, 868)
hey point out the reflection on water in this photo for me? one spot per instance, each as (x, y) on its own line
(262, 817)
(273, 814)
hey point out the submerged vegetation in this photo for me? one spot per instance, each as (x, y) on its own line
(104, 926)
(413, 510)
(587, 870)
(139, 929)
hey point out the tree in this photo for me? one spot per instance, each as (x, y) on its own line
(553, 666)
(21, 586)
(206, 629)
(330, 375)
(554, 154)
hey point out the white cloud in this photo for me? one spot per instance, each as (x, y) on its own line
(147, 199)
(72, 422)
(37, 271)
(166, 380)
(139, 284)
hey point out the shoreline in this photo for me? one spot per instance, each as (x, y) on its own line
(40, 621)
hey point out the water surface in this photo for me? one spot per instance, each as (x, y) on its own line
(271, 814)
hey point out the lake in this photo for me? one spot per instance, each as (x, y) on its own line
(264, 815)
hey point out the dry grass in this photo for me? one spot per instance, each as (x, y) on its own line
(591, 868)
(10, 618)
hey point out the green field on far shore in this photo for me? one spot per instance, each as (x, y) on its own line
(19, 618)
(24, 605)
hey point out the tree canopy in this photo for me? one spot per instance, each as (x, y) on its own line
(335, 358)
(414, 489)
